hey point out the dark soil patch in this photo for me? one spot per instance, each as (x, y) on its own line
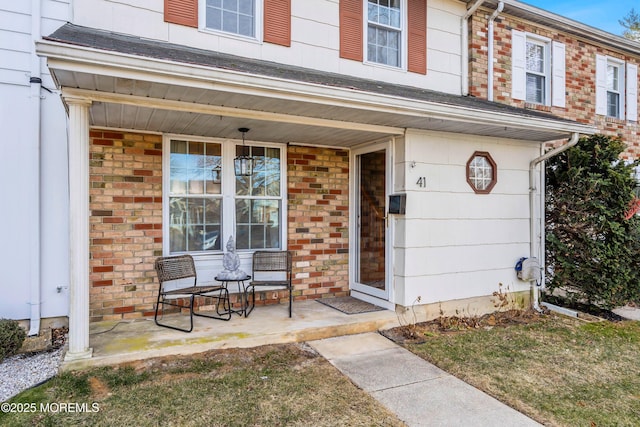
(584, 308)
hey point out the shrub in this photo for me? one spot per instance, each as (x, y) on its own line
(592, 244)
(11, 338)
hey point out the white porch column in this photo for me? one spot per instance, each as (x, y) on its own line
(79, 228)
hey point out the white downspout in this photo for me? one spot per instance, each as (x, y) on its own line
(464, 47)
(34, 190)
(532, 191)
(490, 50)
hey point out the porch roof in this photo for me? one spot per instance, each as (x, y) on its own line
(150, 85)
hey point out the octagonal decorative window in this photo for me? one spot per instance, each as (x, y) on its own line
(482, 173)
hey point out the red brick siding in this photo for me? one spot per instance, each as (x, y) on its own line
(319, 220)
(126, 223)
(580, 74)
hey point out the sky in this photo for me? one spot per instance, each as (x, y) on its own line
(602, 14)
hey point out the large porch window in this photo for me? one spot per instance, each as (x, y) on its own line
(205, 202)
(258, 201)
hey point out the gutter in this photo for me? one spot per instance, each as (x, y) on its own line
(35, 82)
(490, 50)
(532, 191)
(464, 47)
(561, 23)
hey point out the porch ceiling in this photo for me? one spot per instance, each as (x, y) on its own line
(122, 116)
(143, 105)
(172, 89)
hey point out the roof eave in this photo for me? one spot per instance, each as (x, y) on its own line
(90, 60)
(564, 24)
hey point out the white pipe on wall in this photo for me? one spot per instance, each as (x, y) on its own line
(532, 194)
(34, 156)
(464, 48)
(492, 18)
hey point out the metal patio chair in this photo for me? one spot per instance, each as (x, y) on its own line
(266, 265)
(181, 269)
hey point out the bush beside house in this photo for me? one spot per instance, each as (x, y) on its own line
(592, 244)
(11, 338)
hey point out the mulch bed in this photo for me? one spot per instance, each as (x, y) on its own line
(59, 336)
(419, 332)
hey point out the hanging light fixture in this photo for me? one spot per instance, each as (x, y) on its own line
(243, 164)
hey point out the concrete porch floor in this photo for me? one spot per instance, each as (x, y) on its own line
(128, 340)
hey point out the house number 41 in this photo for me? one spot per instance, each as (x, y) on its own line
(422, 182)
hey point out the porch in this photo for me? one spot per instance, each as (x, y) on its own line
(133, 96)
(128, 340)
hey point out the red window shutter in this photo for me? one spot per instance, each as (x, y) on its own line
(351, 29)
(277, 22)
(417, 36)
(183, 12)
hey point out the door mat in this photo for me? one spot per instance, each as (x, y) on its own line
(349, 305)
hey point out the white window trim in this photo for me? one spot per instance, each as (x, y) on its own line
(616, 91)
(602, 62)
(555, 68)
(228, 191)
(545, 43)
(404, 38)
(259, 18)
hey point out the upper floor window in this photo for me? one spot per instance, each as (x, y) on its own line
(231, 16)
(616, 88)
(613, 90)
(388, 32)
(538, 69)
(265, 20)
(384, 32)
(206, 202)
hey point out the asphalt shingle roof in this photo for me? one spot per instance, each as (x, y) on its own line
(127, 44)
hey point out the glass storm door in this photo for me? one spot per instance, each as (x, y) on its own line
(371, 223)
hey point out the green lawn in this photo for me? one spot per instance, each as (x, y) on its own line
(557, 370)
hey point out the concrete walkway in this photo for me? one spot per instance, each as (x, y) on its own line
(419, 393)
